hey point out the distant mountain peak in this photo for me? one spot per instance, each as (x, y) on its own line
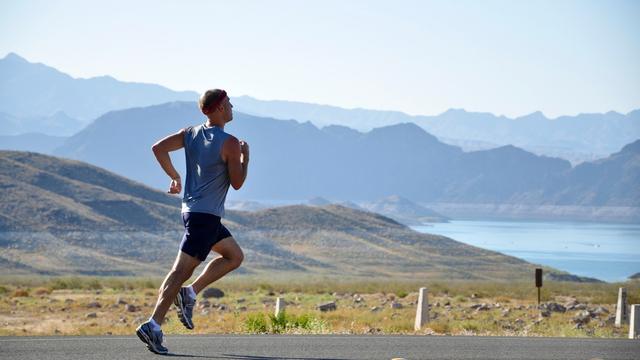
(406, 126)
(106, 77)
(613, 113)
(511, 149)
(14, 57)
(634, 113)
(404, 129)
(454, 111)
(633, 148)
(537, 115)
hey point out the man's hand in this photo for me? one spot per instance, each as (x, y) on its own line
(175, 187)
(244, 149)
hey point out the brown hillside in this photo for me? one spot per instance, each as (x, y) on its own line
(60, 216)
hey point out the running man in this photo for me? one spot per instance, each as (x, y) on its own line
(215, 160)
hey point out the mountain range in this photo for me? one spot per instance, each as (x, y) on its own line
(576, 138)
(60, 216)
(296, 161)
(31, 90)
(57, 124)
(65, 104)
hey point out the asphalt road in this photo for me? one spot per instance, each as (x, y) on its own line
(315, 347)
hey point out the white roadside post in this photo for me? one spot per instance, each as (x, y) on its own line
(279, 306)
(621, 308)
(422, 312)
(634, 322)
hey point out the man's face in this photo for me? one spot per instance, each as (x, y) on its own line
(228, 112)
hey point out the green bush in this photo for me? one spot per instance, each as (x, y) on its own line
(279, 323)
(94, 284)
(263, 286)
(150, 284)
(66, 283)
(469, 325)
(460, 298)
(304, 321)
(256, 323)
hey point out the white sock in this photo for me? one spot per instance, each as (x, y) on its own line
(192, 292)
(154, 324)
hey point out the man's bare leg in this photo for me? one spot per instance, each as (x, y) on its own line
(230, 259)
(180, 272)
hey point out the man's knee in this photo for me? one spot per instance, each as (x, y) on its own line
(236, 259)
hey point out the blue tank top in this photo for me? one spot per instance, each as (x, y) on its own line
(207, 181)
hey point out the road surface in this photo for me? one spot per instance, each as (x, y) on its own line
(316, 347)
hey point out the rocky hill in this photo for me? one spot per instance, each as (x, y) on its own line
(404, 211)
(60, 216)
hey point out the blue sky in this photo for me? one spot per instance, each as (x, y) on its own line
(420, 57)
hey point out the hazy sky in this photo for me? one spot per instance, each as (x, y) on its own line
(420, 57)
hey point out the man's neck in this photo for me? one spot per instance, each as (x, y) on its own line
(215, 122)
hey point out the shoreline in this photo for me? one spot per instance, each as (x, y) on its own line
(524, 212)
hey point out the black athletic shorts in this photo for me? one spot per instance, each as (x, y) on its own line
(201, 232)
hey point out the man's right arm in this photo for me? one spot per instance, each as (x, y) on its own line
(161, 150)
(236, 155)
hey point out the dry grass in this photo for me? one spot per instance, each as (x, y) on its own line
(49, 306)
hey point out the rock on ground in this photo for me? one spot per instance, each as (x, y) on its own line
(212, 293)
(327, 306)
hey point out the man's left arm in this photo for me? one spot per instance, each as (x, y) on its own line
(161, 150)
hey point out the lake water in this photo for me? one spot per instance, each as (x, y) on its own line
(609, 252)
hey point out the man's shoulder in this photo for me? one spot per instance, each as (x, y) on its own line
(230, 139)
(189, 129)
(193, 128)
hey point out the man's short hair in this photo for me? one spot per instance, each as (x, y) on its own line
(210, 99)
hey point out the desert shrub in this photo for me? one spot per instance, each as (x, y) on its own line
(460, 298)
(256, 323)
(440, 327)
(278, 323)
(66, 283)
(304, 321)
(265, 286)
(283, 322)
(469, 325)
(20, 293)
(150, 284)
(42, 291)
(94, 284)
(130, 283)
(503, 299)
